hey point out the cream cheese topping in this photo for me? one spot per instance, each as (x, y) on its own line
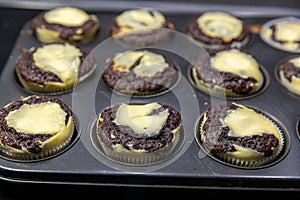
(220, 25)
(67, 16)
(286, 34)
(61, 59)
(237, 62)
(43, 118)
(295, 61)
(287, 31)
(245, 153)
(138, 119)
(294, 84)
(124, 61)
(139, 20)
(245, 121)
(149, 64)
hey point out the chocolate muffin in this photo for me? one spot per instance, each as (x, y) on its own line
(65, 24)
(215, 29)
(131, 133)
(229, 72)
(282, 33)
(141, 27)
(35, 127)
(289, 74)
(54, 67)
(240, 135)
(140, 72)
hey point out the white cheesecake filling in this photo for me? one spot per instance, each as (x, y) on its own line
(220, 25)
(294, 84)
(67, 16)
(149, 63)
(138, 118)
(60, 59)
(140, 20)
(237, 62)
(44, 118)
(244, 121)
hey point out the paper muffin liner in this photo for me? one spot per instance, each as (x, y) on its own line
(139, 158)
(50, 90)
(158, 35)
(41, 90)
(141, 94)
(59, 89)
(27, 156)
(165, 88)
(225, 93)
(234, 44)
(249, 163)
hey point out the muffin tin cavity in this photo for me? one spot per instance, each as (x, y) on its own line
(221, 93)
(65, 24)
(156, 159)
(53, 68)
(218, 29)
(141, 27)
(77, 129)
(149, 75)
(245, 164)
(288, 76)
(247, 41)
(282, 33)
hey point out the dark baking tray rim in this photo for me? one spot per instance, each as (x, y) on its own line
(192, 6)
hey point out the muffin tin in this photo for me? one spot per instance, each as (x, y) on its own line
(83, 162)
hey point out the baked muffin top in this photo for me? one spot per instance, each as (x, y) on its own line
(217, 29)
(141, 27)
(282, 33)
(53, 67)
(139, 72)
(138, 127)
(289, 74)
(137, 21)
(34, 124)
(240, 131)
(65, 24)
(232, 69)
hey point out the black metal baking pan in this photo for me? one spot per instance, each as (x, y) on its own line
(82, 163)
